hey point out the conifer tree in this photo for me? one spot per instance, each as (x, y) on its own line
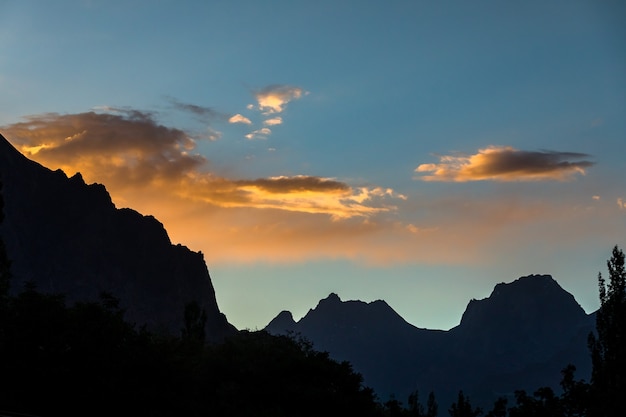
(608, 348)
(463, 407)
(431, 405)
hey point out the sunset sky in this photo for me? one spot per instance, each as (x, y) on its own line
(418, 152)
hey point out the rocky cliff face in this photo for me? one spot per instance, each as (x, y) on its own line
(520, 337)
(68, 237)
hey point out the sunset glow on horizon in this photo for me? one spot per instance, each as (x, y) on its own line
(421, 160)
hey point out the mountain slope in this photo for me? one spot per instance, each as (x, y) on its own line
(520, 337)
(68, 237)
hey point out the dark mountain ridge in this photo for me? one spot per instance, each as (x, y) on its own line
(520, 337)
(68, 237)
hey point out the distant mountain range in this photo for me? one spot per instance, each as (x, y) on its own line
(68, 237)
(520, 337)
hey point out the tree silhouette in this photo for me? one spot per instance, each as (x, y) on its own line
(432, 407)
(195, 321)
(463, 408)
(499, 408)
(415, 407)
(608, 349)
(5, 264)
(575, 396)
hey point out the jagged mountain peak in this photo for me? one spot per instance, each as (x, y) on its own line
(520, 336)
(533, 285)
(527, 298)
(332, 300)
(283, 322)
(68, 237)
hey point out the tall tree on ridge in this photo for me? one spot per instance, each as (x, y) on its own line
(608, 348)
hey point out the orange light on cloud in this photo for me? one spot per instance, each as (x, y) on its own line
(504, 163)
(130, 150)
(154, 170)
(272, 99)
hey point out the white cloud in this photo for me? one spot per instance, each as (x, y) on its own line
(273, 121)
(238, 118)
(273, 98)
(262, 133)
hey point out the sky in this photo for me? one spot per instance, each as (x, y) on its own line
(417, 152)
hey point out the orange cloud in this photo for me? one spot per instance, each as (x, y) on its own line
(129, 150)
(504, 163)
(155, 170)
(272, 99)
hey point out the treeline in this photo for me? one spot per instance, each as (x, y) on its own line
(85, 359)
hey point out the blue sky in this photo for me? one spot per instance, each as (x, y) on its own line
(413, 151)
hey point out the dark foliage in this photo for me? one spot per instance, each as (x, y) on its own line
(86, 360)
(5, 264)
(608, 348)
(463, 407)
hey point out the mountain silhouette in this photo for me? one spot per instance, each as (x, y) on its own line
(68, 237)
(520, 337)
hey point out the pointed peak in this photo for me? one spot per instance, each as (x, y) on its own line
(332, 300)
(282, 323)
(332, 297)
(285, 315)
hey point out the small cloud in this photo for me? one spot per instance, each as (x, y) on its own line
(273, 98)
(238, 118)
(262, 133)
(596, 197)
(504, 163)
(273, 121)
(621, 203)
(419, 230)
(194, 109)
(212, 135)
(412, 228)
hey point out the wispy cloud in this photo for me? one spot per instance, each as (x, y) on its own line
(195, 109)
(274, 98)
(504, 163)
(238, 118)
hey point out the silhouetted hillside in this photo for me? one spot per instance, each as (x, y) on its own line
(68, 237)
(520, 337)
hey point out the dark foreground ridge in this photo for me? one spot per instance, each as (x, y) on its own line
(68, 237)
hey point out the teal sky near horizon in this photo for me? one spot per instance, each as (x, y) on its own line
(413, 151)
